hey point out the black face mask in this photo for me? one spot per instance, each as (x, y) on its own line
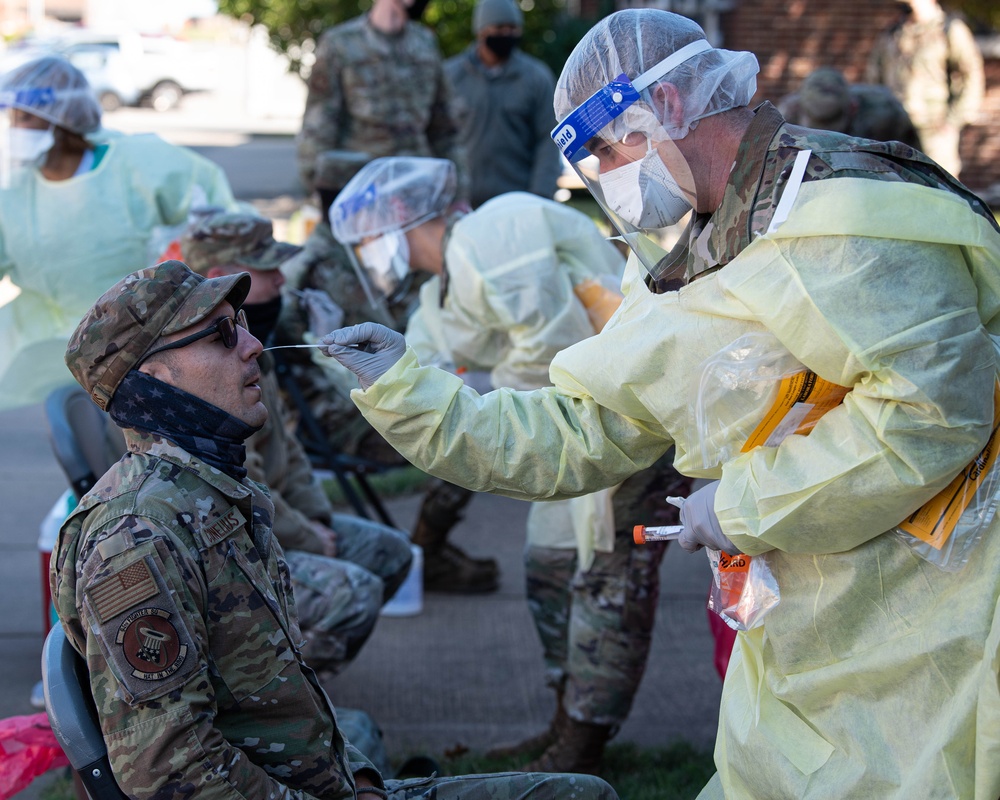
(503, 45)
(263, 318)
(416, 11)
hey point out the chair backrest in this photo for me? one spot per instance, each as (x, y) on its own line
(73, 717)
(85, 439)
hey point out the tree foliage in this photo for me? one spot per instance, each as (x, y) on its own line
(294, 25)
(983, 15)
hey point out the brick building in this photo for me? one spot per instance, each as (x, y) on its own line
(792, 37)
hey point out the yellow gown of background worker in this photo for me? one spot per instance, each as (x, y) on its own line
(875, 659)
(512, 267)
(63, 243)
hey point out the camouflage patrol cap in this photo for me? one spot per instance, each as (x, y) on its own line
(825, 100)
(334, 168)
(230, 239)
(129, 318)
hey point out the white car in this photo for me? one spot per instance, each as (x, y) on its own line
(125, 69)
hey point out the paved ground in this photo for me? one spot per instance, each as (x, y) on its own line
(466, 671)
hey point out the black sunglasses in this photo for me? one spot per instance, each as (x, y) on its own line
(226, 327)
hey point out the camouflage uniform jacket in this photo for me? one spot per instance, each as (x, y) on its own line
(276, 459)
(933, 67)
(168, 580)
(380, 94)
(763, 166)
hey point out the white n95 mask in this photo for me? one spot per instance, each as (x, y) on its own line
(387, 260)
(644, 193)
(28, 145)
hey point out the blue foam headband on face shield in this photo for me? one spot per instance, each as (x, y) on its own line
(592, 115)
(27, 98)
(609, 102)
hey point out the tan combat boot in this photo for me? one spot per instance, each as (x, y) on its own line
(578, 749)
(534, 745)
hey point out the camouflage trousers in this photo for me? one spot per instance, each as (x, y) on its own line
(503, 786)
(596, 626)
(338, 599)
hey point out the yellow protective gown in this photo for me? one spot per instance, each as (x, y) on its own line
(62, 243)
(877, 674)
(508, 309)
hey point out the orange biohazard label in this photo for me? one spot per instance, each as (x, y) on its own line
(803, 398)
(935, 521)
(733, 572)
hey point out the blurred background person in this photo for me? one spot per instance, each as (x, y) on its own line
(77, 210)
(931, 62)
(378, 88)
(504, 97)
(516, 281)
(868, 111)
(343, 568)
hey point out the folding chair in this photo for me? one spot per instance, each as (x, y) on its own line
(347, 470)
(73, 716)
(85, 439)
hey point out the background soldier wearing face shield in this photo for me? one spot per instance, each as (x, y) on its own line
(77, 209)
(512, 288)
(504, 97)
(867, 265)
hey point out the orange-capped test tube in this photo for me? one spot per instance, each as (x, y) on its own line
(642, 534)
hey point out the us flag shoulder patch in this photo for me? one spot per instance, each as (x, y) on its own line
(126, 588)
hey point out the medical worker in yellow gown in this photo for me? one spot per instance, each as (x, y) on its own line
(78, 205)
(876, 675)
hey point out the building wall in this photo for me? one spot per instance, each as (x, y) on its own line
(793, 37)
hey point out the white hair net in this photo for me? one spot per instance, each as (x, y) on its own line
(637, 40)
(55, 90)
(391, 194)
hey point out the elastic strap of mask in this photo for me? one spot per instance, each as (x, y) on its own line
(675, 59)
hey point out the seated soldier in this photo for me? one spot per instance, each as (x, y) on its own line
(868, 111)
(342, 567)
(170, 583)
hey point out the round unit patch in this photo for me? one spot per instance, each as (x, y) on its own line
(150, 644)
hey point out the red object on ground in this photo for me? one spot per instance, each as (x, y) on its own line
(28, 748)
(725, 638)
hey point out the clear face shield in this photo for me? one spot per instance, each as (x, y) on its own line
(627, 159)
(25, 138)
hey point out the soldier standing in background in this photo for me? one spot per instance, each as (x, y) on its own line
(378, 88)
(931, 62)
(505, 101)
(867, 111)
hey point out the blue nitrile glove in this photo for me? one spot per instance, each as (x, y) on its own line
(701, 526)
(368, 350)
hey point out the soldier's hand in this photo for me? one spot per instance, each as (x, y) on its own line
(328, 537)
(368, 350)
(324, 313)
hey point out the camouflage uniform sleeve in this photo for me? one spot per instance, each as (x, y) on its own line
(324, 106)
(143, 614)
(965, 67)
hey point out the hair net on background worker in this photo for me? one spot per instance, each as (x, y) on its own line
(392, 194)
(54, 90)
(617, 115)
(388, 197)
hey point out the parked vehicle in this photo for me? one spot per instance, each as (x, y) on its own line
(124, 69)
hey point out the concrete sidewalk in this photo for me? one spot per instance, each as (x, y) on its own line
(465, 672)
